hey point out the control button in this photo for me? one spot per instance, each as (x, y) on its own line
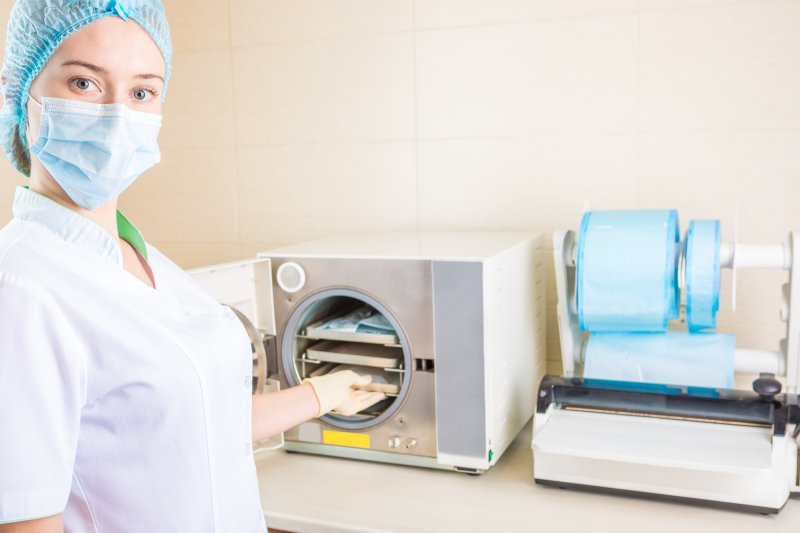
(394, 442)
(767, 387)
(290, 277)
(411, 444)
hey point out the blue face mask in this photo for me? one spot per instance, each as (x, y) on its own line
(95, 151)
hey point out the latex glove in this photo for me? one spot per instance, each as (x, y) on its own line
(336, 392)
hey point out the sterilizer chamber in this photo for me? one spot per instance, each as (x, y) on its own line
(344, 329)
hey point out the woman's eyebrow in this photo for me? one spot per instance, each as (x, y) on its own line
(149, 76)
(90, 66)
(103, 70)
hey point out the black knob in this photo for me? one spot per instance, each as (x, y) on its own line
(766, 386)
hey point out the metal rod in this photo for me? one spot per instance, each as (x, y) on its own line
(772, 256)
(756, 361)
(664, 416)
(307, 360)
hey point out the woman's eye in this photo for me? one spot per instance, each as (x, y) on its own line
(142, 94)
(83, 84)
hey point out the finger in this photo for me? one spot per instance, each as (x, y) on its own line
(360, 395)
(359, 400)
(378, 396)
(347, 410)
(371, 399)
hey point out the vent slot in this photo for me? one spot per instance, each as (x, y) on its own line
(424, 365)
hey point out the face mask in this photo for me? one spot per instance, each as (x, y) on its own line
(95, 151)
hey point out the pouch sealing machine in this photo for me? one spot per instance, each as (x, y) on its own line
(715, 445)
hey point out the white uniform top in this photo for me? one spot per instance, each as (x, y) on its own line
(124, 407)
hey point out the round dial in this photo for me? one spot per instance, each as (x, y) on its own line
(291, 277)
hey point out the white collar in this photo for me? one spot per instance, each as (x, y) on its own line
(75, 229)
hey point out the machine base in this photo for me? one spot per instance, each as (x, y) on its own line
(373, 455)
(661, 497)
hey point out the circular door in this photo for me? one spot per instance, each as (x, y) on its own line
(343, 329)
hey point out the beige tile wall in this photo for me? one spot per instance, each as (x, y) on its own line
(288, 120)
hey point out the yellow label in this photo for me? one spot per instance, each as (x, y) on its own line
(341, 438)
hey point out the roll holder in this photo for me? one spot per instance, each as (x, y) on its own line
(733, 255)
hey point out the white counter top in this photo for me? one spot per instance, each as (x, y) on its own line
(305, 493)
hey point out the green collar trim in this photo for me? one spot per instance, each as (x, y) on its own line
(125, 228)
(130, 233)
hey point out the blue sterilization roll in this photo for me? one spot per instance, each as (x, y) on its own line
(627, 270)
(702, 274)
(671, 358)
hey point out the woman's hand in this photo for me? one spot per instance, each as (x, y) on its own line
(339, 392)
(275, 412)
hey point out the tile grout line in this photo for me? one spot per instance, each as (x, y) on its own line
(416, 110)
(636, 130)
(323, 40)
(415, 29)
(506, 22)
(237, 180)
(636, 108)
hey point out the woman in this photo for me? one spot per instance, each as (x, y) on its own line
(125, 389)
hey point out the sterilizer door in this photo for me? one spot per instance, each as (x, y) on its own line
(246, 287)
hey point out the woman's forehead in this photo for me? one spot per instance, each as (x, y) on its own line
(118, 46)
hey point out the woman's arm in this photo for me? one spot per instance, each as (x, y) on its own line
(51, 524)
(275, 412)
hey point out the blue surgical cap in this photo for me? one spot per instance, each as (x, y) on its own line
(35, 29)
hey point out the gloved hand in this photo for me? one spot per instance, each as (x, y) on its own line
(336, 392)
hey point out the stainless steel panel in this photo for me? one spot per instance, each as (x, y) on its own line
(404, 288)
